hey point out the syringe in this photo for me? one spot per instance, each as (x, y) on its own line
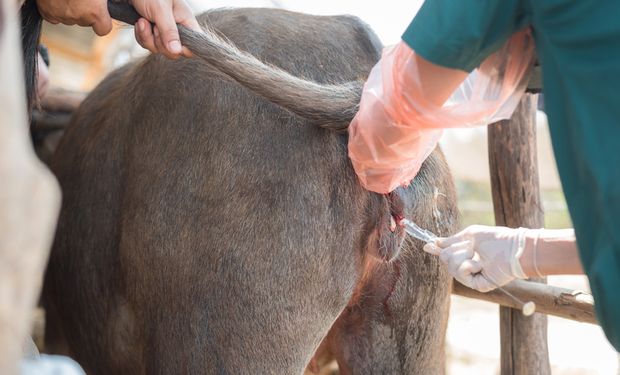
(415, 231)
(527, 308)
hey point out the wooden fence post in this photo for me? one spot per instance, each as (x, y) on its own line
(516, 202)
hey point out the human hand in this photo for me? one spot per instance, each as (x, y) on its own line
(93, 13)
(164, 36)
(482, 257)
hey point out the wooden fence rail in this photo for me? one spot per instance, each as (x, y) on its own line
(551, 300)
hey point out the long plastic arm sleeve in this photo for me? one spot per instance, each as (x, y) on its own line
(396, 128)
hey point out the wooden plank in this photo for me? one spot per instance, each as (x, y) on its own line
(516, 201)
(551, 300)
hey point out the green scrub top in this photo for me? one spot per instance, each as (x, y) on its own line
(578, 46)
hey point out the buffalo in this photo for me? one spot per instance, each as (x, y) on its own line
(212, 222)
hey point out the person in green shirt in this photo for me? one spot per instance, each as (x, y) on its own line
(578, 46)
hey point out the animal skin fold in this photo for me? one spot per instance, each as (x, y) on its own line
(396, 128)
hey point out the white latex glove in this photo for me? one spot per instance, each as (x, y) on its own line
(482, 257)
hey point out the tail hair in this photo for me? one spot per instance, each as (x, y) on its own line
(331, 106)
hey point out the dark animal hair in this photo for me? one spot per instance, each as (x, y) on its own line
(206, 230)
(330, 106)
(31, 32)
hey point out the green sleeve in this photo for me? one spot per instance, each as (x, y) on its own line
(460, 34)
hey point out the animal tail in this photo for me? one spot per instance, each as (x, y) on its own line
(331, 106)
(31, 32)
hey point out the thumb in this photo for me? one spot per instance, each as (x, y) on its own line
(481, 283)
(468, 270)
(168, 30)
(444, 242)
(431, 248)
(102, 26)
(102, 22)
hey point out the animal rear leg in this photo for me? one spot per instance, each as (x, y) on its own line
(397, 321)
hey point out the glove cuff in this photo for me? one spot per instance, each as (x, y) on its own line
(518, 248)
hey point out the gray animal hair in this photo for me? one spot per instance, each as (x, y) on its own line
(330, 106)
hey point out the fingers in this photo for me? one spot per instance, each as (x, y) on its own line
(186, 52)
(472, 232)
(144, 35)
(164, 36)
(102, 27)
(470, 274)
(465, 274)
(449, 241)
(169, 43)
(441, 244)
(468, 270)
(455, 255)
(84, 13)
(481, 283)
(159, 46)
(459, 258)
(431, 248)
(183, 15)
(101, 22)
(150, 38)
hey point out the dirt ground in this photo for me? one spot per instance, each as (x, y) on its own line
(574, 348)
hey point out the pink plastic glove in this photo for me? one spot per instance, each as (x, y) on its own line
(387, 143)
(482, 257)
(401, 116)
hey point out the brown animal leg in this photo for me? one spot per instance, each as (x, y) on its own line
(396, 321)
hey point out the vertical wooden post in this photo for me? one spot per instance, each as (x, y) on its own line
(516, 201)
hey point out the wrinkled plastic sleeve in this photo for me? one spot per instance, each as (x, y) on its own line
(396, 128)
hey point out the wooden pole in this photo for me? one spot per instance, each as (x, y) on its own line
(550, 300)
(516, 201)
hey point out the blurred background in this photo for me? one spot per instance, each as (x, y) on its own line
(80, 59)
